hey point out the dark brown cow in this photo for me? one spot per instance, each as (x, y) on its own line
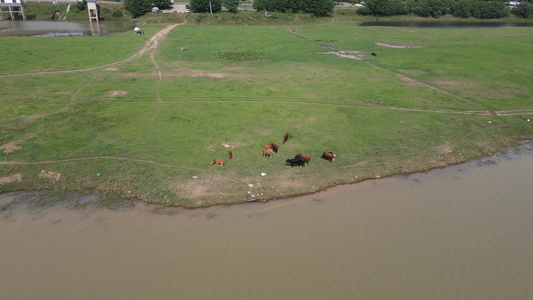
(217, 161)
(273, 146)
(286, 137)
(328, 156)
(230, 155)
(305, 156)
(267, 152)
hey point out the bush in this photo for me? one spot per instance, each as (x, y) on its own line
(523, 10)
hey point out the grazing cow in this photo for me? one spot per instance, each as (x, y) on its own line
(297, 160)
(217, 161)
(267, 152)
(183, 48)
(328, 156)
(273, 146)
(305, 156)
(230, 155)
(374, 54)
(286, 137)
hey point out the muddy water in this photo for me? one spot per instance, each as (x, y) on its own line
(464, 232)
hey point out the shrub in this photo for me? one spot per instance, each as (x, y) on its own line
(117, 13)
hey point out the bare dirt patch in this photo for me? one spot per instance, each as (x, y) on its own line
(396, 46)
(111, 69)
(232, 68)
(348, 54)
(10, 147)
(50, 175)
(115, 94)
(444, 149)
(11, 178)
(409, 81)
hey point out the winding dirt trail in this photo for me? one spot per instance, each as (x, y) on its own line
(150, 46)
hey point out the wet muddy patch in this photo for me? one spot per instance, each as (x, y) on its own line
(115, 94)
(397, 46)
(348, 54)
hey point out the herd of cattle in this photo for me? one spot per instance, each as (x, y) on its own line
(299, 160)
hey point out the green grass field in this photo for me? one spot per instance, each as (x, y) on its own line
(149, 126)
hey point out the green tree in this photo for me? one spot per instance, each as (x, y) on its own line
(523, 10)
(138, 8)
(81, 5)
(162, 4)
(199, 6)
(462, 9)
(319, 8)
(490, 10)
(384, 8)
(231, 5)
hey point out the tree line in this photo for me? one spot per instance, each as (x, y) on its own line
(435, 8)
(322, 8)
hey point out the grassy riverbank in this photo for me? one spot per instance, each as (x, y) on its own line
(147, 127)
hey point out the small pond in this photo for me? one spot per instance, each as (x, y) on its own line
(65, 28)
(446, 24)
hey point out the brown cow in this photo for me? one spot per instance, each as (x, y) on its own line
(183, 48)
(273, 146)
(230, 155)
(305, 156)
(328, 156)
(286, 137)
(217, 161)
(267, 152)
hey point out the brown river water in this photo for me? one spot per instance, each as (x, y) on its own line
(462, 232)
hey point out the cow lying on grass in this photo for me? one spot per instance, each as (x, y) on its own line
(217, 161)
(272, 146)
(328, 156)
(296, 161)
(305, 156)
(267, 152)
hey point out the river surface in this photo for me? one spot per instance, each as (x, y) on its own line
(66, 28)
(462, 232)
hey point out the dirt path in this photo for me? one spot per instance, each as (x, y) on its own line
(150, 46)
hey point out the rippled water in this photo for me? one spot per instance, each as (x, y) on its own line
(67, 28)
(463, 232)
